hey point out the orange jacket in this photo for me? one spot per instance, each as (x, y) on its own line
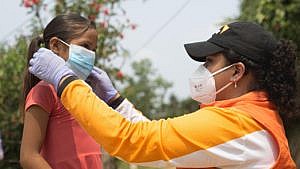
(269, 119)
(244, 132)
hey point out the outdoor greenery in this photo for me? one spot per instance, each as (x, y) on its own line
(11, 70)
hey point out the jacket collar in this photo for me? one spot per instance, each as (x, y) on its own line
(254, 96)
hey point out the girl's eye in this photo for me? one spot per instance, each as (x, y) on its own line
(86, 46)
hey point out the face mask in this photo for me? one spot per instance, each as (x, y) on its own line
(202, 85)
(81, 60)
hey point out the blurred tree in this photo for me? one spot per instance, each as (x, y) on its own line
(282, 18)
(148, 92)
(11, 71)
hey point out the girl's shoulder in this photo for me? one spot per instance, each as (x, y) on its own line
(42, 94)
(45, 88)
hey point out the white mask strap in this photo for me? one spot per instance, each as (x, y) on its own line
(63, 42)
(224, 87)
(221, 70)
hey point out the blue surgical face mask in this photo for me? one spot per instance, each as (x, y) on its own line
(81, 60)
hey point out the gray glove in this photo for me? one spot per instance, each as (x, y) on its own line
(47, 66)
(101, 84)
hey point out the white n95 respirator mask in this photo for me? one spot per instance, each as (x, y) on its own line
(202, 85)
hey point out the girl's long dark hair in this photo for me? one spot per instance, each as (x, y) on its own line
(277, 77)
(66, 27)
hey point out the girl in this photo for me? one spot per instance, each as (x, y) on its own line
(52, 138)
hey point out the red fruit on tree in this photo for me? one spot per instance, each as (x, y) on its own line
(27, 3)
(106, 11)
(120, 74)
(36, 1)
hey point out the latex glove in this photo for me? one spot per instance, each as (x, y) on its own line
(47, 66)
(101, 84)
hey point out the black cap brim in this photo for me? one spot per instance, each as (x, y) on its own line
(200, 50)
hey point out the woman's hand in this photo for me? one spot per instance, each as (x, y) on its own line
(47, 66)
(101, 84)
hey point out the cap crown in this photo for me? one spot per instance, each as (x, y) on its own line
(247, 39)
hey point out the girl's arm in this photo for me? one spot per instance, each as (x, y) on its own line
(35, 125)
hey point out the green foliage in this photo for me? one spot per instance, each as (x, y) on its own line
(148, 92)
(144, 90)
(175, 107)
(12, 63)
(279, 16)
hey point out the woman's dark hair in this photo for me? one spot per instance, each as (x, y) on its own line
(65, 27)
(277, 76)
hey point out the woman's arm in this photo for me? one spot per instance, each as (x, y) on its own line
(35, 126)
(195, 140)
(128, 111)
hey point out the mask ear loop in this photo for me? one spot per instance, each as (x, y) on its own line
(63, 42)
(224, 87)
(219, 71)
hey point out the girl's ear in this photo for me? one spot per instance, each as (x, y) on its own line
(59, 48)
(54, 45)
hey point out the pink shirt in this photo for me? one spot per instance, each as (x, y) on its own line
(66, 144)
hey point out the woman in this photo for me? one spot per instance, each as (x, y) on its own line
(246, 83)
(52, 138)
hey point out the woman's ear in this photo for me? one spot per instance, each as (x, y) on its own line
(239, 72)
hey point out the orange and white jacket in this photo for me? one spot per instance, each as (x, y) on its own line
(245, 132)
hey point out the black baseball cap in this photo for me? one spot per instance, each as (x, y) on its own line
(245, 38)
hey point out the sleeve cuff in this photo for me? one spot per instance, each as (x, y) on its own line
(114, 104)
(65, 84)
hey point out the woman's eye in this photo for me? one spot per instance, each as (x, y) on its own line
(207, 62)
